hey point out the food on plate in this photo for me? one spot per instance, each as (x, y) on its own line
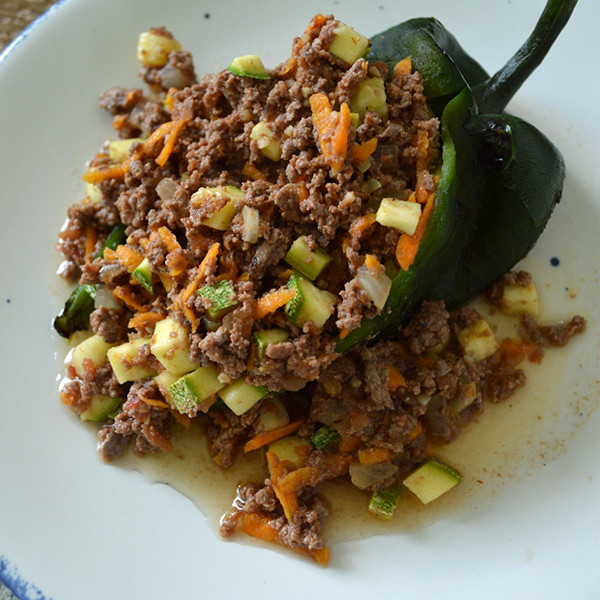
(284, 255)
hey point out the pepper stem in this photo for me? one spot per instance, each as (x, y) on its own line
(494, 94)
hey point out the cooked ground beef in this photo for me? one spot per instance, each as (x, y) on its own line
(225, 175)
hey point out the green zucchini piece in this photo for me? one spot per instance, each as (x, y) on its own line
(268, 145)
(170, 345)
(325, 436)
(143, 275)
(385, 502)
(122, 359)
(249, 65)
(220, 219)
(399, 214)
(310, 263)
(93, 349)
(310, 303)
(222, 298)
(370, 96)
(240, 397)
(431, 480)
(348, 44)
(101, 408)
(118, 150)
(191, 390)
(265, 337)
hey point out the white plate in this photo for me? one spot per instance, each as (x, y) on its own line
(73, 528)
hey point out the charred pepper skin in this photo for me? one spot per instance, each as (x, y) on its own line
(499, 180)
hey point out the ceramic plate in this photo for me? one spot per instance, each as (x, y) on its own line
(72, 527)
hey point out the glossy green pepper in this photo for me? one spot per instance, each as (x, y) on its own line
(499, 179)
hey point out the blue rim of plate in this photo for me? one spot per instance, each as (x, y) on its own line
(9, 573)
(27, 31)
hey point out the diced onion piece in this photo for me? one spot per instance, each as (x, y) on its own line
(400, 214)
(251, 220)
(364, 476)
(172, 77)
(104, 297)
(166, 188)
(376, 284)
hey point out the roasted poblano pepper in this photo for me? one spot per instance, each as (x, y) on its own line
(499, 179)
(75, 315)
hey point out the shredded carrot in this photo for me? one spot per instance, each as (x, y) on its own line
(344, 333)
(166, 280)
(403, 67)
(372, 456)
(271, 301)
(168, 239)
(268, 437)
(332, 129)
(361, 152)
(177, 263)
(145, 320)
(296, 480)
(361, 224)
(259, 526)
(252, 172)
(373, 264)
(408, 245)
(396, 379)
(422, 145)
(290, 66)
(288, 499)
(124, 294)
(128, 257)
(183, 420)
(99, 175)
(109, 254)
(169, 102)
(170, 142)
(119, 122)
(185, 294)
(119, 171)
(302, 191)
(91, 237)
(153, 402)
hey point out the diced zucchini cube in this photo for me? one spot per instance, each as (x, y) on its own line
(101, 407)
(249, 65)
(170, 345)
(291, 450)
(93, 349)
(310, 303)
(309, 262)
(143, 275)
(269, 336)
(240, 396)
(191, 390)
(273, 415)
(399, 214)
(370, 96)
(118, 150)
(385, 502)
(122, 359)
(325, 436)
(164, 381)
(268, 145)
(93, 192)
(348, 44)
(520, 299)
(220, 219)
(432, 480)
(153, 48)
(222, 298)
(478, 340)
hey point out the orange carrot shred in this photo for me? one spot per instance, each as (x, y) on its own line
(271, 301)
(153, 402)
(252, 172)
(403, 67)
(361, 224)
(372, 456)
(168, 239)
(125, 295)
(145, 320)
(259, 526)
(268, 437)
(396, 379)
(90, 240)
(128, 257)
(288, 500)
(170, 142)
(361, 152)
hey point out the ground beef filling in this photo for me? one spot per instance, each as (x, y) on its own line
(388, 403)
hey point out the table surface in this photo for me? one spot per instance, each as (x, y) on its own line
(15, 15)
